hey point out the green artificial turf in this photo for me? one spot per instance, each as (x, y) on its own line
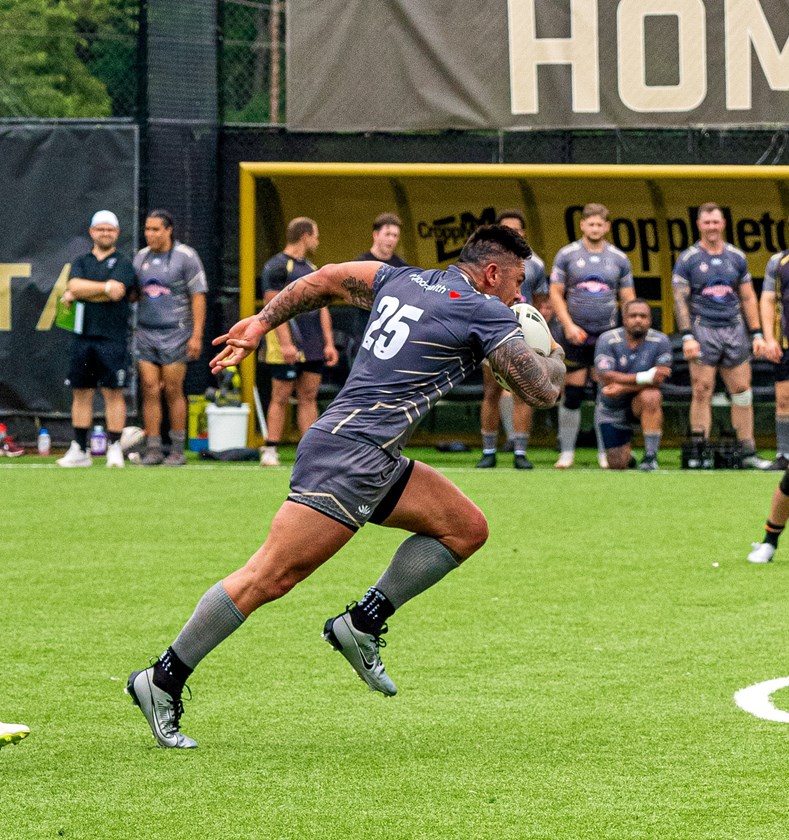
(575, 679)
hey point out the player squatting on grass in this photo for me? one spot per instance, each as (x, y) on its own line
(429, 330)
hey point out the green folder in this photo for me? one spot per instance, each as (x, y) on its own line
(70, 317)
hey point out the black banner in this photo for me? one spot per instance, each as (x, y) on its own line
(55, 176)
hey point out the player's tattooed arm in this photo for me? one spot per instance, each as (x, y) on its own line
(537, 380)
(359, 293)
(682, 307)
(296, 298)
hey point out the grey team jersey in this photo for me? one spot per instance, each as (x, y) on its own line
(714, 281)
(427, 331)
(591, 283)
(776, 279)
(612, 353)
(167, 282)
(535, 280)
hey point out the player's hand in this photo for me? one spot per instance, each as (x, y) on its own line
(67, 298)
(194, 347)
(290, 354)
(759, 348)
(691, 350)
(613, 389)
(241, 340)
(576, 334)
(330, 355)
(773, 351)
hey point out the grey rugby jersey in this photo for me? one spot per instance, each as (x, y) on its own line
(167, 282)
(427, 331)
(591, 282)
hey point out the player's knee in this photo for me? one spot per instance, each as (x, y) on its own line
(743, 399)
(618, 459)
(474, 536)
(651, 398)
(702, 390)
(573, 396)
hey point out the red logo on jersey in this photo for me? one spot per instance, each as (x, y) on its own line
(453, 295)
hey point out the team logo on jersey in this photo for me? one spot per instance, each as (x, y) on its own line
(111, 262)
(718, 291)
(716, 260)
(594, 259)
(453, 295)
(581, 263)
(623, 360)
(364, 510)
(154, 289)
(704, 267)
(593, 285)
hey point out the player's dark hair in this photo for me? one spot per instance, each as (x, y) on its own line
(594, 209)
(298, 227)
(491, 242)
(708, 207)
(511, 214)
(164, 215)
(630, 303)
(386, 219)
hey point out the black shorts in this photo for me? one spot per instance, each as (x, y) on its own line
(98, 363)
(579, 356)
(290, 373)
(782, 368)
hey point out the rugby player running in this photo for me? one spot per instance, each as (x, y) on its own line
(429, 329)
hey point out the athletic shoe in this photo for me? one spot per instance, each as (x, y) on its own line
(521, 462)
(152, 458)
(115, 455)
(75, 457)
(754, 462)
(162, 711)
(762, 553)
(566, 460)
(486, 462)
(780, 463)
(648, 464)
(602, 460)
(11, 449)
(174, 459)
(269, 456)
(361, 650)
(12, 733)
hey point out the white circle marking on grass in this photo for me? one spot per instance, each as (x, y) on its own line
(756, 700)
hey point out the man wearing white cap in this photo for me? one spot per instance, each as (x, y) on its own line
(99, 285)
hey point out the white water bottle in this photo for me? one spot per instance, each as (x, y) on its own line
(98, 441)
(44, 442)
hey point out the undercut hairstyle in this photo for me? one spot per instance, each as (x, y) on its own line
(298, 227)
(594, 209)
(164, 215)
(633, 302)
(491, 242)
(511, 214)
(387, 219)
(708, 207)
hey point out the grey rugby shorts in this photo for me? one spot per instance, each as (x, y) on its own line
(346, 480)
(162, 347)
(724, 346)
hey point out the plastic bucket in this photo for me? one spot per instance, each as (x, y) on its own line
(227, 426)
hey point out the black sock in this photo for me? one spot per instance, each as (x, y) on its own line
(113, 437)
(371, 612)
(274, 443)
(170, 674)
(772, 532)
(81, 436)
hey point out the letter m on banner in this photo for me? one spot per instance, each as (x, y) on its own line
(527, 52)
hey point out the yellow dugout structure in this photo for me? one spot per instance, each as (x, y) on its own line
(652, 208)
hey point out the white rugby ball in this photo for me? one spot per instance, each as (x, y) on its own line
(535, 332)
(535, 328)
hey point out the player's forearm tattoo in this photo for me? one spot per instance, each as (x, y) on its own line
(535, 379)
(297, 297)
(359, 292)
(682, 307)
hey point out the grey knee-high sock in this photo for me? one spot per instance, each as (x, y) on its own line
(417, 565)
(782, 434)
(569, 424)
(214, 619)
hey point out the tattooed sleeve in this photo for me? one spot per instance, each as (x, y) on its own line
(537, 380)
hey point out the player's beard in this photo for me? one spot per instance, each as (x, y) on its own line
(638, 333)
